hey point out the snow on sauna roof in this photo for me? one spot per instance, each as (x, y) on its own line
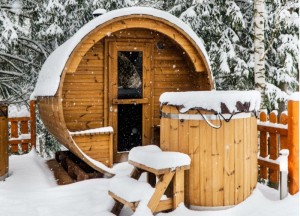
(49, 76)
(217, 101)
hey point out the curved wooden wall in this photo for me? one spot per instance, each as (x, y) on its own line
(79, 103)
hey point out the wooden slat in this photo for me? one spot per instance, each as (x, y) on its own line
(12, 142)
(239, 164)
(283, 138)
(263, 144)
(131, 101)
(271, 165)
(18, 119)
(274, 152)
(178, 188)
(195, 172)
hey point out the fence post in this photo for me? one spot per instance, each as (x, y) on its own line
(3, 141)
(293, 143)
(32, 123)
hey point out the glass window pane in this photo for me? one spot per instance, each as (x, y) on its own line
(130, 74)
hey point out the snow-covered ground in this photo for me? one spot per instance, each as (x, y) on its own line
(30, 190)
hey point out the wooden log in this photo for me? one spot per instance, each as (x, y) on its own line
(293, 143)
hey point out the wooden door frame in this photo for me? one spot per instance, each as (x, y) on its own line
(112, 46)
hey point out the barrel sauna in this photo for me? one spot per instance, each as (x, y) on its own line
(110, 74)
(223, 151)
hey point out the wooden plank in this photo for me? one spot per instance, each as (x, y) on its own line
(218, 165)
(14, 129)
(293, 140)
(207, 165)
(131, 101)
(229, 164)
(178, 188)
(263, 144)
(18, 119)
(247, 156)
(24, 127)
(174, 141)
(274, 152)
(239, 160)
(184, 148)
(283, 138)
(272, 129)
(12, 142)
(254, 151)
(194, 172)
(165, 130)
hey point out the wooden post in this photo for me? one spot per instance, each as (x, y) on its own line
(274, 152)
(3, 141)
(293, 143)
(32, 123)
(263, 146)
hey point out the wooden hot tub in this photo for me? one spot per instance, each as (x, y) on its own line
(224, 161)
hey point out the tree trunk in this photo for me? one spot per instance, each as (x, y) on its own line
(259, 48)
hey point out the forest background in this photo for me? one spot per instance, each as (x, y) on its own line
(32, 29)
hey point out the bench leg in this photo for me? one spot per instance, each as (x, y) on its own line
(178, 188)
(117, 208)
(160, 189)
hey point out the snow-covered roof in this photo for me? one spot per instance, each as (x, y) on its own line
(49, 76)
(217, 101)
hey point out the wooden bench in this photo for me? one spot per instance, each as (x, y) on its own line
(157, 202)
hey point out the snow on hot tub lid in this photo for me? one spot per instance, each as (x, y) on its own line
(224, 102)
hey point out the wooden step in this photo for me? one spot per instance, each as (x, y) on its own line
(60, 174)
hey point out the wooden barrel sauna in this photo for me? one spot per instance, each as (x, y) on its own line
(224, 161)
(111, 73)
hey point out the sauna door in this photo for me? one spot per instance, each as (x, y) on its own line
(129, 95)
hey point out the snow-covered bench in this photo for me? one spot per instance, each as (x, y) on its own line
(166, 166)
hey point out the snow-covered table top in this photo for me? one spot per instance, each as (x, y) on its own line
(153, 157)
(224, 102)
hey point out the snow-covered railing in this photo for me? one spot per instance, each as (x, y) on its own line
(275, 134)
(22, 130)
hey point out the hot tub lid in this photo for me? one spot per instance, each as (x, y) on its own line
(224, 102)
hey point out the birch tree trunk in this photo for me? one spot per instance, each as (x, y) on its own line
(259, 48)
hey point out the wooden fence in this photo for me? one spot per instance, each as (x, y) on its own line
(274, 136)
(19, 135)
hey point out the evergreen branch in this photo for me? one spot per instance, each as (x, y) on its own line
(8, 86)
(18, 58)
(12, 64)
(19, 14)
(11, 73)
(42, 50)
